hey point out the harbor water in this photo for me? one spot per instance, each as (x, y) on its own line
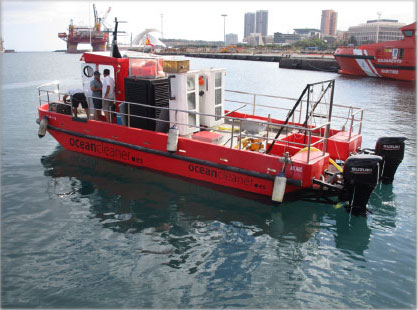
(82, 232)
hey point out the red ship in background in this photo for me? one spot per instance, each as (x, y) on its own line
(98, 38)
(390, 59)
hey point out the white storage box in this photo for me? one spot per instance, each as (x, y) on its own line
(212, 83)
(185, 96)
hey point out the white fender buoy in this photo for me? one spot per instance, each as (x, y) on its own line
(279, 187)
(173, 139)
(42, 127)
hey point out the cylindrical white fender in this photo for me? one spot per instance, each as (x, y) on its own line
(279, 187)
(42, 127)
(173, 138)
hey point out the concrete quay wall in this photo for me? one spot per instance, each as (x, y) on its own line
(328, 63)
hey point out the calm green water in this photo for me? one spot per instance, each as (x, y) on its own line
(80, 232)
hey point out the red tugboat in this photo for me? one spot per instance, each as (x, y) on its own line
(390, 59)
(171, 119)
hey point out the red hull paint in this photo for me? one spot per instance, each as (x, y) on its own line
(160, 163)
(245, 170)
(391, 59)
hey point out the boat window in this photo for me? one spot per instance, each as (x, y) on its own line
(407, 33)
(191, 100)
(191, 82)
(218, 79)
(400, 53)
(88, 71)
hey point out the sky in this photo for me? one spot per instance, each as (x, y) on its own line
(34, 25)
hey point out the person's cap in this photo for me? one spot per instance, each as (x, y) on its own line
(96, 73)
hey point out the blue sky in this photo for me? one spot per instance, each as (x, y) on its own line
(34, 25)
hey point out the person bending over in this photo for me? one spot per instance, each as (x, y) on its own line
(77, 96)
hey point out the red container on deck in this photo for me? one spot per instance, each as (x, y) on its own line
(207, 136)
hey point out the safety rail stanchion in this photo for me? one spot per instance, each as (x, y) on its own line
(129, 115)
(309, 146)
(351, 127)
(268, 129)
(88, 108)
(232, 133)
(326, 136)
(361, 121)
(254, 96)
(300, 112)
(240, 136)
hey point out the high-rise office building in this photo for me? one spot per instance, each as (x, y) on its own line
(329, 22)
(388, 30)
(231, 39)
(249, 24)
(261, 22)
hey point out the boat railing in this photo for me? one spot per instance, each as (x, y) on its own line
(47, 95)
(341, 114)
(236, 123)
(235, 139)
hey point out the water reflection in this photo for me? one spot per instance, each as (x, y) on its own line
(384, 209)
(378, 83)
(352, 233)
(130, 200)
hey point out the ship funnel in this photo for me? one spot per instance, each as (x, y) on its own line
(391, 149)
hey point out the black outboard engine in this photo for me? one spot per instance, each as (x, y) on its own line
(392, 150)
(361, 175)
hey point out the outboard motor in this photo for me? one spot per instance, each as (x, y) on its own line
(361, 175)
(392, 150)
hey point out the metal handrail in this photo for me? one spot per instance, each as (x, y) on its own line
(308, 130)
(355, 110)
(286, 98)
(360, 110)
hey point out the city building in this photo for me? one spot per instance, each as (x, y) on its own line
(231, 39)
(388, 30)
(249, 24)
(191, 43)
(331, 40)
(343, 36)
(255, 39)
(268, 39)
(261, 22)
(280, 38)
(329, 22)
(308, 33)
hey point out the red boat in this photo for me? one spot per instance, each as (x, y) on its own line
(390, 59)
(176, 123)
